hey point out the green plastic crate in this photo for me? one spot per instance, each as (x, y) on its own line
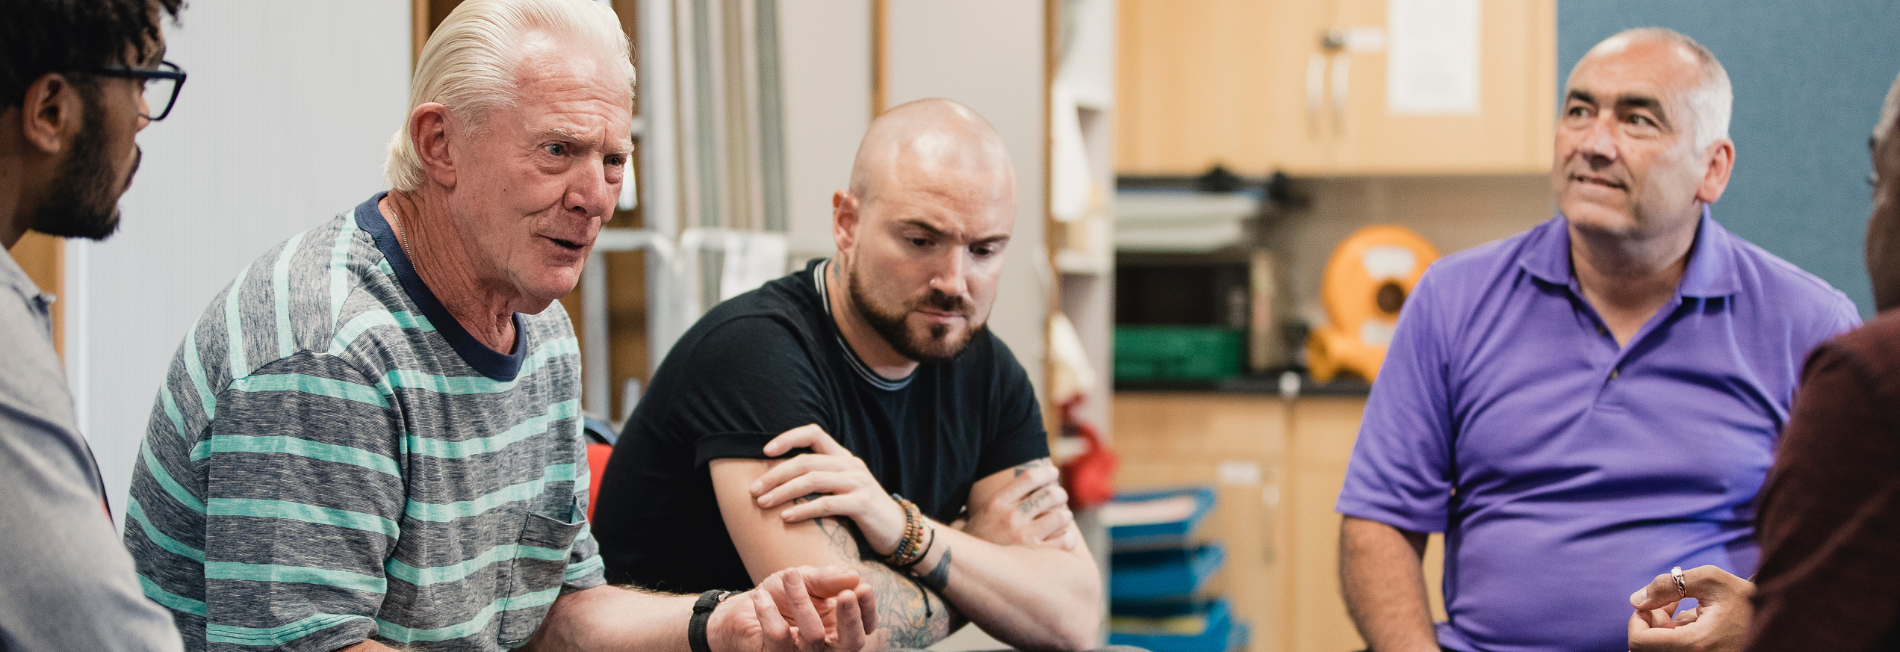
(1176, 353)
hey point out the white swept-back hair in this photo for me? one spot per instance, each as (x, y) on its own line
(471, 63)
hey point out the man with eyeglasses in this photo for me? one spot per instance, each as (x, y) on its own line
(78, 79)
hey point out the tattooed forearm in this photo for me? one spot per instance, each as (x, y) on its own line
(907, 614)
(938, 579)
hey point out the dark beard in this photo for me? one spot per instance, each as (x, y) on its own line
(84, 199)
(933, 349)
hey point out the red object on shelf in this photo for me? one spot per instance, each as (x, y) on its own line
(597, 454)
(1090, 477)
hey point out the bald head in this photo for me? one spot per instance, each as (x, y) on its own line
(921, 234)
(933, 139)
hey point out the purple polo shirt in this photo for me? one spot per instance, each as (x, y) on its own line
(1567, 472)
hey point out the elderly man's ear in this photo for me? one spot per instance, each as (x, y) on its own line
(429, 131)
(51, 113)
(1721, 158)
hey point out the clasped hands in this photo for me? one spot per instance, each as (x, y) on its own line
(1032, 510)
(1718, 623)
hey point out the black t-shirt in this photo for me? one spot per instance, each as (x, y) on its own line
(771, 360)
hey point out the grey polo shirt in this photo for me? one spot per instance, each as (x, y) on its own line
(68, 581)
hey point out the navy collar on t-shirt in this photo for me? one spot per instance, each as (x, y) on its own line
(491, 363)
(873, 378)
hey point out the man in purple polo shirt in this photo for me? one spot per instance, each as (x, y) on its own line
(1587, 404)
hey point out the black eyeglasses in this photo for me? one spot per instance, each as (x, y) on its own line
(163, 81)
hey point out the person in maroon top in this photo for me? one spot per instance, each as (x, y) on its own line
(1829, 516)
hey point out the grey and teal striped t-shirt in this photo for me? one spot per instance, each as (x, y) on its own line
(334, 458)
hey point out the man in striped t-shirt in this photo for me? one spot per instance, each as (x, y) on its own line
(371, 439)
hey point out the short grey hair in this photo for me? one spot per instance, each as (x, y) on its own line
(471, 63)
(1712, 101)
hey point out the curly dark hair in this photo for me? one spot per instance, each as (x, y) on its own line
(42, 36)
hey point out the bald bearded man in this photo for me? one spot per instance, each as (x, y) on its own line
(920, 453)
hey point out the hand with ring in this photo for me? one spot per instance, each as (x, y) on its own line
(1718, 623)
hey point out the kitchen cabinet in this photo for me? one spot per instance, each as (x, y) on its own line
(1300, 86)
(1277, 467)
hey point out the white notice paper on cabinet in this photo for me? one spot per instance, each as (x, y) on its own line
(1432, 66)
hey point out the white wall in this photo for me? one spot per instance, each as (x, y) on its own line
(988, 54)
(281, 125)
(825, 60)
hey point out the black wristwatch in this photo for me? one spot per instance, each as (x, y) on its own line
(702, 612)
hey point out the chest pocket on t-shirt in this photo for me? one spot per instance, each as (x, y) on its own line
(533, 579)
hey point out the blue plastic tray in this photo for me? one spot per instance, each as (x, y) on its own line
(1170, 533)
(1170, 574)
(1219, 633)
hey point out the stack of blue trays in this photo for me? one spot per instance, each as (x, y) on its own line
(1185, 626)
(1158, 573)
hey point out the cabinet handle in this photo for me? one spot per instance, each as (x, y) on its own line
(1315, 91)
(1342, 78)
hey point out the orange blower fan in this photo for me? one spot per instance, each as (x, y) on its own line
(1367, 280)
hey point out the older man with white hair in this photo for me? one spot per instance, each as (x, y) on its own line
(1592, 402)
(371, 438)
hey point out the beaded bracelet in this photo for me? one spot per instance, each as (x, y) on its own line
(910, 547)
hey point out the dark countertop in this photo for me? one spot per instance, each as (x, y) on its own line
(1266, 384)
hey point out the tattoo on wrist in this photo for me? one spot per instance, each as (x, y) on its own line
(938, 578)
(909, 615)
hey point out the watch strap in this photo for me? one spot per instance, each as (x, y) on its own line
(702, 612)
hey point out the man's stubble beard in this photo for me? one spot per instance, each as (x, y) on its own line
(84, 199)
(890, 324)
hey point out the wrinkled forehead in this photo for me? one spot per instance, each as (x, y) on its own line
(974, 200)
(545, 59)
(1637, 62)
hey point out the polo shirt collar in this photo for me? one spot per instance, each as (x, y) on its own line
(12, 276)
(1711, 271)
(1711, 259)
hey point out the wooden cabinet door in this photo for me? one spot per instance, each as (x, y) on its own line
(1511, 131)
(1201, 82)
(1319, 446)
(1248, 84)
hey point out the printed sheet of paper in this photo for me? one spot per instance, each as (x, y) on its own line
(1432, 60)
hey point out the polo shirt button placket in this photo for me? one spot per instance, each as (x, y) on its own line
(1615, 371)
